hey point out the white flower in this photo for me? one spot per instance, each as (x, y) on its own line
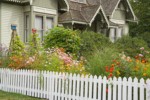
(142, 48)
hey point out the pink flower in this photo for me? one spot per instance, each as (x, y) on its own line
(140, 55)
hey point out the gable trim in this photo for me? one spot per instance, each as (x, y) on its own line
(100, 8)
(129, 8)
(67, 4)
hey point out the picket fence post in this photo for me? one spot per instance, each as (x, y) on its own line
(148, 89)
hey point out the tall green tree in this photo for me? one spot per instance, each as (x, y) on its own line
(142, 11)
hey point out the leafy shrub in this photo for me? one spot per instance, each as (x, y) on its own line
(63, 38)
(16, 45)
(92, 41)
(130, 45)
(146, 37)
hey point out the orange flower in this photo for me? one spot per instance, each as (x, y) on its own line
(118, 63)
(144, 74)
(130, 60)
(136, 57)
(143, 61)
(111, 69)
(145, 69)
(112, 65)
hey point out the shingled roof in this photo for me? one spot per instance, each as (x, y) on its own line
(109, 6)
(81, 12)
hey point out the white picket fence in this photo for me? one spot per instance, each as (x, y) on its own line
(64, 86)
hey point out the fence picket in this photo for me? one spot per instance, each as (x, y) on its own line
(110, 89)
(70, 86)
(104, 88)
(86, 87)
(114, 88)
(99, 88)
(90, 87)
(82, 87)
(124, 95)
(148, 89)
(119, 89)
(142, 89)
(135, 90)
(95, 88)
(129, 88)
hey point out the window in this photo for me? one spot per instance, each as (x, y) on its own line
(39, 26)
(49, 23)
(27, 25)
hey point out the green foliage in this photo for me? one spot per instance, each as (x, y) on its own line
(131, 46)
(146, 37)
(92, 41)
(63, 38)
(97, 61)
(141, 9)
(16, 45)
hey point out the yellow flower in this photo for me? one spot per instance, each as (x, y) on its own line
(144, 74)
(118, 73)
(136, 68)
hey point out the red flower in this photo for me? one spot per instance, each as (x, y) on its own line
(33, 30)
(111, 69)
(110, 75)
(107, 90)
(107, 69)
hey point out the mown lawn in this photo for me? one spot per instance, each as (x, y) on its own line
(13, 96)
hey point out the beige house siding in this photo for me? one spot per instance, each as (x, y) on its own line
(11, 14)
(51, 4)
(119, 15)
(0, 26)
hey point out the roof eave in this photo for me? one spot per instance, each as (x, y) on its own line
(74, 22)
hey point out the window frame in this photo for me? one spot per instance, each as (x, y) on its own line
(26, 27)
(45, 16)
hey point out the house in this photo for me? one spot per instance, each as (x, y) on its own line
(28, 14)
(110, 17)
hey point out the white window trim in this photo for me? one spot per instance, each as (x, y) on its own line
(26, 29)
